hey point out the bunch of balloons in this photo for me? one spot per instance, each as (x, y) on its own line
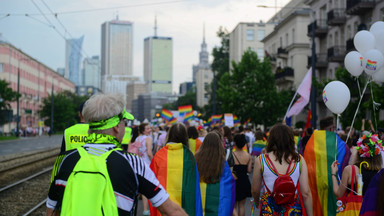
(369, 56)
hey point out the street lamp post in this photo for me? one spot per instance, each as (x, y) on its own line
(18, 102)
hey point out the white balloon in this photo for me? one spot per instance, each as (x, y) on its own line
(372, 61)
(364, 41)
(378, 76)
(336, 96)
(379, 41)
(377, 27)
(353, 62)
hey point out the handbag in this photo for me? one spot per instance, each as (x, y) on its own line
(350, 203)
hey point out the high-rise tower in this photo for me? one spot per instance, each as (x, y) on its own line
(73, 60)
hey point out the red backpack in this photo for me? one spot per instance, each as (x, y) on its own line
(284, 189)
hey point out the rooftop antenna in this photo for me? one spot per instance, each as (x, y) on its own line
(155, 28)
(204, 32)
(117, 15)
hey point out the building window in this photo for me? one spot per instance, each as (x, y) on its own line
(1, 67)
(250, 35)
(293, 36)
(260, 34)
(260, 53)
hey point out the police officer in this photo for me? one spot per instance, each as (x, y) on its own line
(75, 136)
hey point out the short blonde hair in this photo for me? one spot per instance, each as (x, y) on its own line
(102, 106)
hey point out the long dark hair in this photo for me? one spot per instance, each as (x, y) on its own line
(210, 158)
(281, 142)
(142, 128)
(192, 133)
(227, 133)
(178, 134)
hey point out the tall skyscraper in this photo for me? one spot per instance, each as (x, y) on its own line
(91, 72)
(202, 75)
(117, 48)
(73, 60)
(117, 57)
(158, 59)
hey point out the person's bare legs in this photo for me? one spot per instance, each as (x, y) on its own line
(242, 207)
(235, 209)
(145, 203)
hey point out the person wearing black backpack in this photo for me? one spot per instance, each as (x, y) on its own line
(283, 175)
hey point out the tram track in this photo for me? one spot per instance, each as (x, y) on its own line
(25, 184)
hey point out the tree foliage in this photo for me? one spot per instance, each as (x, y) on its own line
(7, 95)
(249, 91)
(65, 112)
(188, 99)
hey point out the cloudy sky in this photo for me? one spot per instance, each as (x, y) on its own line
(41, 34)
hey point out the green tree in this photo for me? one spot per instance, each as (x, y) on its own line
(7, 95)
(249, 91)
(65, 109)
(219, 67)
(188, 99)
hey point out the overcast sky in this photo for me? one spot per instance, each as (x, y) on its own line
(182, 20)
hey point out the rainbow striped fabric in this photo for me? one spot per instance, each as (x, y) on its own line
(219, 198)
(175, 168)
(216, 117)
(321, 150)
(257, 146)
(188, 116)
(194, 145)
(173, 120)
(184, 109)
(166, 114)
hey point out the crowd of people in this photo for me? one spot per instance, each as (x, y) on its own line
(183, 169)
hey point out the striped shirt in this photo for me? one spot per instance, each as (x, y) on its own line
(128, 173)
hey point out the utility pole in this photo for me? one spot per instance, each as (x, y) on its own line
(313, 65)
(52, 108)
(18, 102)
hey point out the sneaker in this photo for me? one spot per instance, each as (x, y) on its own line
(146, 213)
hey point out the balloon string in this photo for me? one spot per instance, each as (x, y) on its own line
(358, 85)
(375, 106)
(337, 127)
(358, 105)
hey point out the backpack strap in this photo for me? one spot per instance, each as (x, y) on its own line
(104, 156)
(274, 168)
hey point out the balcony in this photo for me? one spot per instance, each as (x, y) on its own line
(336, 54)
(320, 59)
(359, 7)
(350, 45)
(336, 17)
(321, 28)
(282, 53)
(284, 73)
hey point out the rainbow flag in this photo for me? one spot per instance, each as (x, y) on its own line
(257, 146)
(219, 198)
(175, 168)
(236, 123)
(184, 109)
(173, 120)
(247, 122)
(216, 117)
(188, 116)
(166, 114)
(321, 150)
(194, 145)
(235, 118)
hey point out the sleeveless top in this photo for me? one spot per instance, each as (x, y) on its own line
(143, 148)
(269, 176)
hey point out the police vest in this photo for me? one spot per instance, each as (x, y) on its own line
(127, 136)
(75, 136)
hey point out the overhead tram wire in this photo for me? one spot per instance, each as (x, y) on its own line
(96, 9)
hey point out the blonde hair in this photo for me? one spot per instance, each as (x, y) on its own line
(102, 106)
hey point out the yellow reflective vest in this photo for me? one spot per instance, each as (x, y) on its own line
(127, 136)
(75, 136)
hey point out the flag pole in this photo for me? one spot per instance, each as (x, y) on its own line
(289, 107)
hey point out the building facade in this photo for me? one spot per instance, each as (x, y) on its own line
(158, 64)
(117, 57)
(135, 89)
(146, 106)
(335, 25)
(73, 59)
(36, 82)
(202, 75)
(92, 72)
(185, 87)
(248, 36)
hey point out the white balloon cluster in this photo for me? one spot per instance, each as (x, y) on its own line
(369, 56)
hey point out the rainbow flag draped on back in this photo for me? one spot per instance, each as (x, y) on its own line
(176, 169)
(257, 146)
(320, 152)
(219, 198)
(194, 145)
